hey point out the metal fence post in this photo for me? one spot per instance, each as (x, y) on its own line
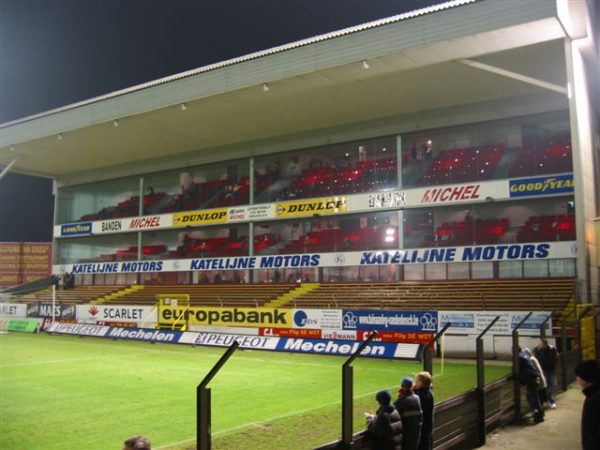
(515, 349)
(563, 354)
(427, 356)
(543, 325)
(203, 404)
(481, 383)
(347, 392)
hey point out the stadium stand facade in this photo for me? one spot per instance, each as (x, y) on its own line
(453, 150)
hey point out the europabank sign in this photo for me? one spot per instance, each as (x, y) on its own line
(23, 262)
(114, 313)
(474, 253)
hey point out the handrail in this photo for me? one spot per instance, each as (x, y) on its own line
(182, 315)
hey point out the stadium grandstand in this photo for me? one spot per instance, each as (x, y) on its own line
(446, 160)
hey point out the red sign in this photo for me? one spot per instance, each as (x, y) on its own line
(145, 222)
(396, 336)
(451, 194)
(290, 333)
(22, 262)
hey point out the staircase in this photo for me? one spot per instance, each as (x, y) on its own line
(290, 296)
(118, 294)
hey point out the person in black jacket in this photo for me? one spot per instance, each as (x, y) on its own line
(385, 426)
(588, 377)
(423, 390)
(548, 358)
(409, 408)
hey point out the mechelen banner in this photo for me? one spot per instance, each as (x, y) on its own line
(474, 253)
(317, 346)
(474, 322)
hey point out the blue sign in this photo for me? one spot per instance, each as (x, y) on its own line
(337, 347)
(143, 334)
(402, 321)
(76, 229)
(458, 319)
(559, 184)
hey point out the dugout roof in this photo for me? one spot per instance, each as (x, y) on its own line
(400, 66)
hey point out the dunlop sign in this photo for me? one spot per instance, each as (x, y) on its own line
(237, 317)
(330, 205)
(203, 217)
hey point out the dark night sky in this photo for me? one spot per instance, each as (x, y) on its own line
(56, 52)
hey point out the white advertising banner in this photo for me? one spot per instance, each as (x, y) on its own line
(322, 319)
(116, 313)
(225, 340)
(474, 322)
(475, 253)
(13, 310)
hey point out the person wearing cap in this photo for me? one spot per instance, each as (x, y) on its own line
(409, 408)
(588, 377)
(423, 390)
(385, 426)
(137, 443)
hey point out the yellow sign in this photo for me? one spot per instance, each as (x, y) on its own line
(202, 217)
(598, 241)
(233, 317)
(588, 337)
(329, 205)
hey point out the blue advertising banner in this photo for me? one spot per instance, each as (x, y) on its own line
(336, 347)
(403, 321)
(76, 229)
(142, 334)
(558, 184)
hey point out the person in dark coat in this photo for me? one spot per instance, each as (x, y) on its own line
(423, 390)
(137, 443)
(588, 377)
(409, 408)
(385, 426)
(548, 358)
(530, 378)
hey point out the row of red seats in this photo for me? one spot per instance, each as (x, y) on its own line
(552, 158)
(548, 228)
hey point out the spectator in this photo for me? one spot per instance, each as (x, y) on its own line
(548, 358)
(385, 426)
(588, 377)
(541, 380)
(137, 443)
(530, 378)
(409, 408)
(423, 390)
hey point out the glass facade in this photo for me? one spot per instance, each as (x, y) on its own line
(524, 146)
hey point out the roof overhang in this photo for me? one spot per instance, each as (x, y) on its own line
(414, 63)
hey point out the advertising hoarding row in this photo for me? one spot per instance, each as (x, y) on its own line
(406, 198)
(23, 262)
(475, 253)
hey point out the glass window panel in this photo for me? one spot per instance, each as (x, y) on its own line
(510, 269)
(97, 201)
(535, 269)
(414, 272)
(482, 270)
(458, 271)
(561, 267)
(435, 271)
(106, 248)
(347, 168)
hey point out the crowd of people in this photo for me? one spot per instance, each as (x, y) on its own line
(407, 423)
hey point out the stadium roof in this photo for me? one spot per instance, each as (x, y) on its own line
(436, 58)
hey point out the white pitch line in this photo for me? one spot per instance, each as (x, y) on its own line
(52, 361)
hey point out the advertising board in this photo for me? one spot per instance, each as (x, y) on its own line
(398, 321)
(474, 322)
(239, 317)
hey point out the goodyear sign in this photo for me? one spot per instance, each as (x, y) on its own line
(76, 229)
(329, 205)
(236, 317)
(203, 217)
(560, 184)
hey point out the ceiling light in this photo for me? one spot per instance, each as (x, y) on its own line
(59, 136)
(265, 87)
(115, 123)
(365, 65)
(183, 107)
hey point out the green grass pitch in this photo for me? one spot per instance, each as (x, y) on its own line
(62, 392)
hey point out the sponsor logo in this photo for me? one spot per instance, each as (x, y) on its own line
(237, 214)
(264, 317)
(8, 309)
(140, 223)
(387, 199)
(45, 310)
(333, 347)
(397, 336)
(93, 311)
(111, 226)
(339, 334)
(428, 322)
(405, 321)
(209, 216)
(225, 340)
(541, 185)
(144, 335)
(124, 267)
(76, 229)
(308, 207)
(451, 194)
(74, 328)
(291, 332)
